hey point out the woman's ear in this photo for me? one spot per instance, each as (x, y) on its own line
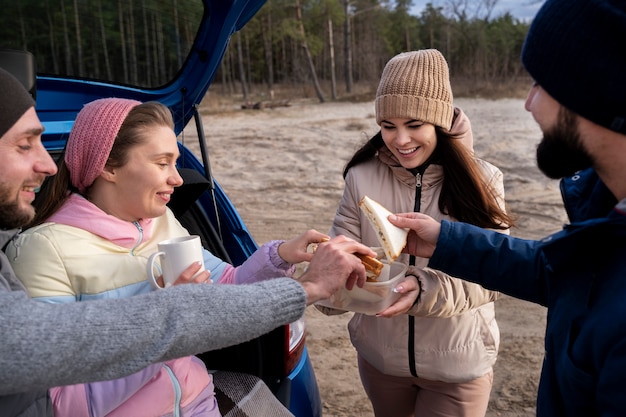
(108, 174)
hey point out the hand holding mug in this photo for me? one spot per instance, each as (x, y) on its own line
(194, 274)
(181, 262)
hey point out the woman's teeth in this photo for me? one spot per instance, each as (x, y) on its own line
(407, 151)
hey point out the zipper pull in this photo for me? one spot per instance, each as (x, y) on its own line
(16, 244)
(418, 180)
(139, 238)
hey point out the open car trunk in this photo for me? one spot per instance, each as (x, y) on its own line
(77, 51)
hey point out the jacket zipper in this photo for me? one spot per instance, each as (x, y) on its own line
(140, 230)
(176, 412)
(17, 246)
(411, 338)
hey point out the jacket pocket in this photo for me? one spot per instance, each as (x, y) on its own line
(489, 330)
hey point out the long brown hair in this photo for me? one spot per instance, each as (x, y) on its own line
(465, 195)
(57, 189)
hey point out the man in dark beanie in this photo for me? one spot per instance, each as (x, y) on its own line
(576, 52)
(44, 345)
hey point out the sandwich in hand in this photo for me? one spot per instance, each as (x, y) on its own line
(373, 267)
(392, 238)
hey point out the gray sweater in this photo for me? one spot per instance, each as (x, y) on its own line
(44, 345)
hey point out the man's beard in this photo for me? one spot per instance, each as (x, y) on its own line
(560, 153)
(11, 215)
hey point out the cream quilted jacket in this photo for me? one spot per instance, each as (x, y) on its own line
(456, 336)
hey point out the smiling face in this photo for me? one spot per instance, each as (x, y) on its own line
(143, 185)
(411, 141)
(24, 164)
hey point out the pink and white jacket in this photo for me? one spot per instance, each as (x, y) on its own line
(84, 254)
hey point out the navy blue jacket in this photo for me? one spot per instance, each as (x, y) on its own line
(579, 274)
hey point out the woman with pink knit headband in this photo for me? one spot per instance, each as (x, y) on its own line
(98, 221)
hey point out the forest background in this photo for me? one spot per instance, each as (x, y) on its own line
(337, 48)
(328, 49)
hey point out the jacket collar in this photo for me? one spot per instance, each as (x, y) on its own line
(585, 196)
(433, 174)
(594, 214)
(79, 212)
(6, 236)
(8, 280)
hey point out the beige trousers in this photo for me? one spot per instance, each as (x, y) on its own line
(394, 396)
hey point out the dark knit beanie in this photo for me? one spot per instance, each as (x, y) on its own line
(576, 51)
(416, 85)
(15, 101)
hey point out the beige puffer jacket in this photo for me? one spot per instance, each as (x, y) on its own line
(456, 336)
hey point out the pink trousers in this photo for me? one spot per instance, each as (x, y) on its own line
(394, 396)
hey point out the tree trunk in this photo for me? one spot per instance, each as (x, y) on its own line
(242, 72)
(23, 37)
(232, 72)
(347, 45)
(331, 48)
(283, 57)
(179, 53)
(66, 39)
(307, 52)
(79, 42)
(160, 49)
(120, 17)
(266, 34)
(248, 62)
(146, 46)
(53, 49)
(132, 56)
(105, 49)
(407, 39)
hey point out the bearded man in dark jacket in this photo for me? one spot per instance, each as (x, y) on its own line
(576, 53)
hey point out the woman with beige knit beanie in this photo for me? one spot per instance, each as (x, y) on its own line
(432, 352)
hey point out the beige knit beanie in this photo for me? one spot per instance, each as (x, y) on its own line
(416, 85)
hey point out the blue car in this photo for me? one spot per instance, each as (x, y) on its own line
(71, 52)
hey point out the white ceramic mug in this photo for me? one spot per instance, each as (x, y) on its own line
(176, 255)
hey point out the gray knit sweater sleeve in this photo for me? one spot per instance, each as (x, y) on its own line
(44, 345)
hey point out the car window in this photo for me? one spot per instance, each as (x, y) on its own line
(142, 43)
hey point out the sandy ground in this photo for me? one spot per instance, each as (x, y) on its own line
(282, 168)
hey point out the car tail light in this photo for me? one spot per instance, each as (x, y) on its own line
(295, 339)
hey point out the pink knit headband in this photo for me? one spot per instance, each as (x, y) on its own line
(92, 138)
